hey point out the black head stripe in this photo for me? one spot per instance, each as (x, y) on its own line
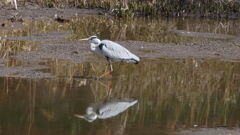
(93, 37)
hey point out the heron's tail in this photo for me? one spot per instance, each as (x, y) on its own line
(131, 101)
(136, 62)
(132, 61)
(135, 59)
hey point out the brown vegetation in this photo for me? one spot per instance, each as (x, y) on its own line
(200, 8)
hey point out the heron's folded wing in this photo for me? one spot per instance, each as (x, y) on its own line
(112, 109)
(115, 51)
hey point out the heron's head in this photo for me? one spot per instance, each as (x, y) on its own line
(92, 39)
(90, 115)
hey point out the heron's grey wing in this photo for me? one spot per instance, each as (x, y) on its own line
(114, 107)
(115, 51)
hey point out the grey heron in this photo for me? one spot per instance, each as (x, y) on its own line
(112, 51)
(107, 109)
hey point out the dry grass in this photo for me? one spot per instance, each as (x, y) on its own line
(216, 8)
(123, 8)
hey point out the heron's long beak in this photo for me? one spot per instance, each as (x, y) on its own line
(79, 116)
(84, 39)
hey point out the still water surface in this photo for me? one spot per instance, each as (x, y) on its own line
(172, 94)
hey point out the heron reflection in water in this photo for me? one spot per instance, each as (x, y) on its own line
(107, 109)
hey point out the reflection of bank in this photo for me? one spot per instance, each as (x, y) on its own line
(107, 109)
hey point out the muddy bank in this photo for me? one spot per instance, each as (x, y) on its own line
(210, 131)
(202, 35)
(78, 52)
(31, 71)
(57, 46)
(30, 11)
(221, 50)
(41, 37)
(72, 51)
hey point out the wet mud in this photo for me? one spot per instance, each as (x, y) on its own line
(41, 37)
(210, 131)
(78, 52)
(30, 11)
(72, 51)
(222, 50)
(25, 72)
(203, 35)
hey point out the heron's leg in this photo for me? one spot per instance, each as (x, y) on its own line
(15, 4)
(111, 68)
(109, 72)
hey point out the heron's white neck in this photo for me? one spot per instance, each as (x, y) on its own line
(93, 46)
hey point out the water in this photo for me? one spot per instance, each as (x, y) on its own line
(172, 94)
